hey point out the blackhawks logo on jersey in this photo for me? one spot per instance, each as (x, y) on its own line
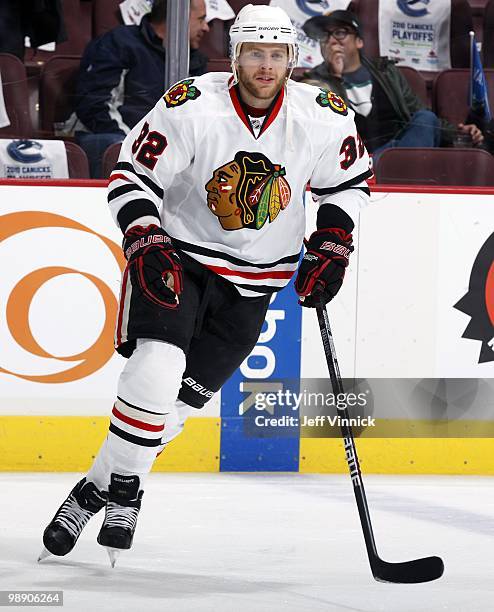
(247, 191)
(335, 103)
(179, 93)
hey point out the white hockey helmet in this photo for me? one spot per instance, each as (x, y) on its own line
(263, 24)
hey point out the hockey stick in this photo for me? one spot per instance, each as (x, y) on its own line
(417, 570)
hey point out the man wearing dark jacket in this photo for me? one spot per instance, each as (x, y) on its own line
(122, 77)
(388, 112)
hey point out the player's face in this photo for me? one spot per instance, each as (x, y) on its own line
(197, 23)
(262, 69)
(222, 195)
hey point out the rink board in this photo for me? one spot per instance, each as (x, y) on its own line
(395, 317)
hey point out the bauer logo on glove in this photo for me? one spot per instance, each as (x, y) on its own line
(153, 264)
(142, 242)
(322, 270)
(336, 248)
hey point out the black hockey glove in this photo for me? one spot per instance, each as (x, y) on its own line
(322, 270)
(153, 264)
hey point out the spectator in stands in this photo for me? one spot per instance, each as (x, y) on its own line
(41, 20)
(388, 112)
(122, 77)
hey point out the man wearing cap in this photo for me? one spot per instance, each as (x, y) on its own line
(388, 112)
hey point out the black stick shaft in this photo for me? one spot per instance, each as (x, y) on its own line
(347, 435)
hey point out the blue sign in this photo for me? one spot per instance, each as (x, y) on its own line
(256, 433)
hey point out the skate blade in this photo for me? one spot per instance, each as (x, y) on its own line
(44, 554)
(113, 553)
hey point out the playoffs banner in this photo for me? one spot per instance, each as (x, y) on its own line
(299, 12)
(33, 159)
(416, 33)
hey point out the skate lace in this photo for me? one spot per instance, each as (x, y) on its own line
(121, 516)
(73, 517)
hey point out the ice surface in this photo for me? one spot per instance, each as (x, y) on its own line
(260, 542)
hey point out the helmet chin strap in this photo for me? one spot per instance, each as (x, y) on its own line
(235, 73)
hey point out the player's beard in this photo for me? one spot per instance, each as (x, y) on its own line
(262, 93)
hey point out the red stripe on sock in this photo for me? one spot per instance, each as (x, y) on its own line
(135, 422)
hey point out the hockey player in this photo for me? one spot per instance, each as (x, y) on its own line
(209, 194)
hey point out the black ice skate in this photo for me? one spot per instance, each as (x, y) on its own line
(122, 510)
(83, 502)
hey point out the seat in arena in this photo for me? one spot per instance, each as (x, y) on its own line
(416, 82)
(450, 93)
(16, 97)
(427, 166)
(110, 158)
(77, 161)
(57, 91)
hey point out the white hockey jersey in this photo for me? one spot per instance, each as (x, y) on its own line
(230, 192)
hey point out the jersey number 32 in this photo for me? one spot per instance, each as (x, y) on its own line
(149, 146)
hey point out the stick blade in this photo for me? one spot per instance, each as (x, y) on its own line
(408, 572)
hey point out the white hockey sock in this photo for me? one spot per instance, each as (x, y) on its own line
(174, 423)
(147, 390)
